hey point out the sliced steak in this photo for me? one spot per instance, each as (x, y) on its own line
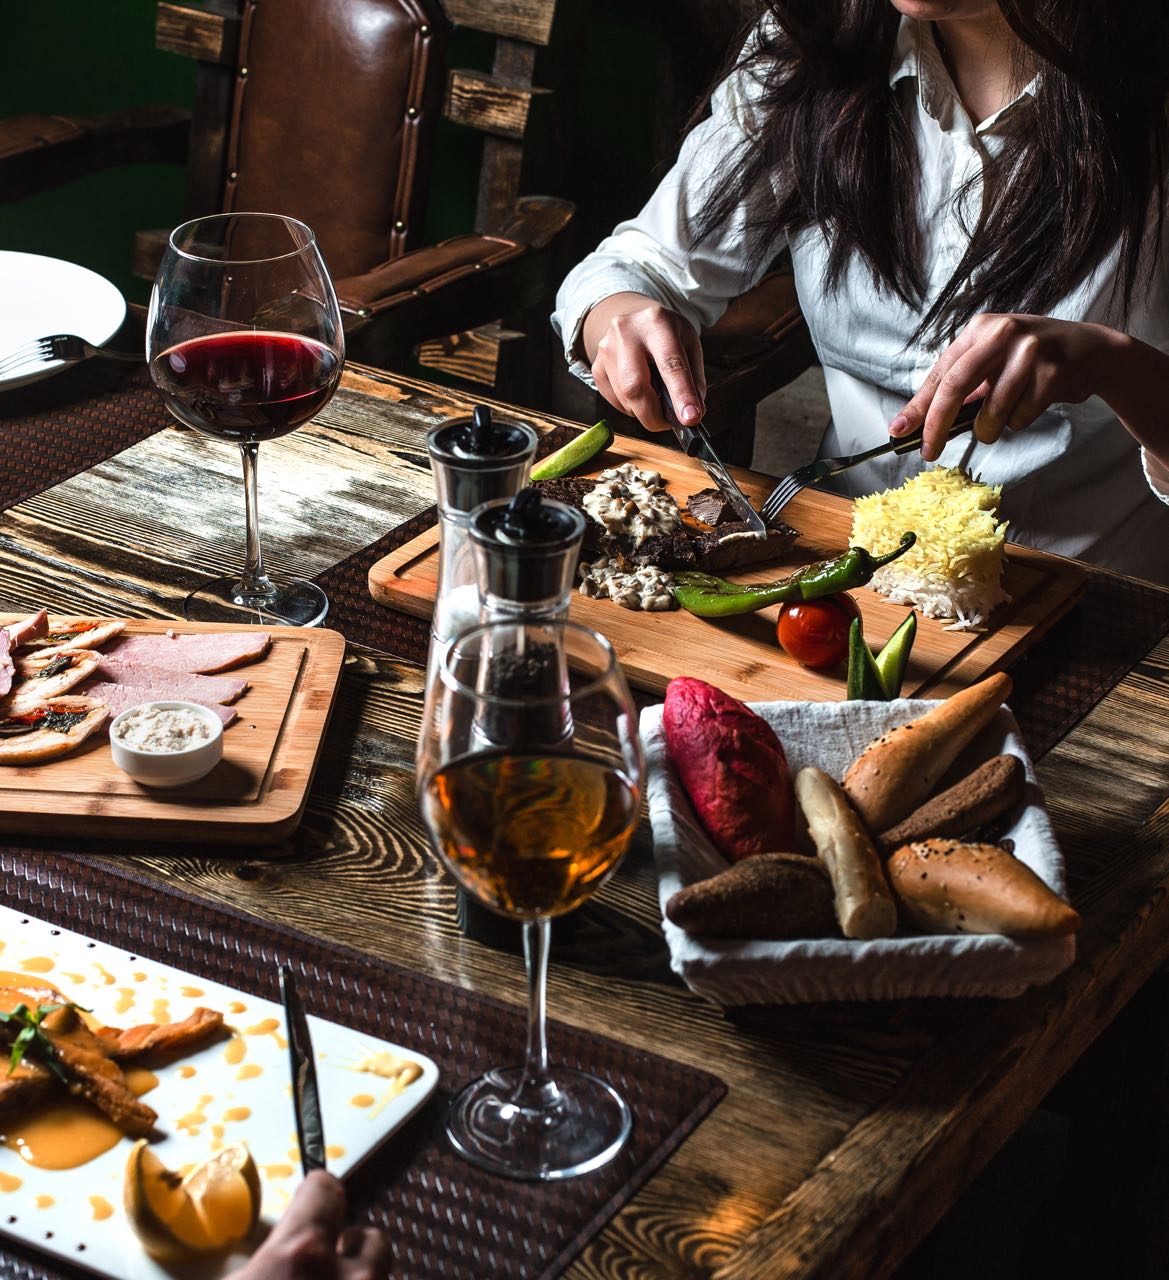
(6, 667)
(169, 684)
(734, 546)
(196, 653)
(120, 696)
(708, 506)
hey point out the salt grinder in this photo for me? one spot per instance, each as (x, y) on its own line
(474, 460)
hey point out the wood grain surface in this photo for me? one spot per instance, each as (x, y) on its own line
(847, 1130)
(741, 655)
(257, 792)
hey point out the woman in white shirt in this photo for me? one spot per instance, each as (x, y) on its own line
(973, 193)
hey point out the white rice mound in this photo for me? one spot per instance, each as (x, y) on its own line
(955, 568)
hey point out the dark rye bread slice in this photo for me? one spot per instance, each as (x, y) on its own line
(731, 546)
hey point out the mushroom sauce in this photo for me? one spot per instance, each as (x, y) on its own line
(633, 503)
(632, 587)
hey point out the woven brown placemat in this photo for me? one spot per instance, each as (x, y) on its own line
(54, 429)
(445, 1218)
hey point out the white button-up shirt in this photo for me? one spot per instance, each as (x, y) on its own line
(1073, 481)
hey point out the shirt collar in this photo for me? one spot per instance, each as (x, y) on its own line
(915, 54)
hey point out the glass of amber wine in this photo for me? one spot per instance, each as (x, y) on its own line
(529, 778)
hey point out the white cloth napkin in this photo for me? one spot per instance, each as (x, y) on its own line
(735, 972)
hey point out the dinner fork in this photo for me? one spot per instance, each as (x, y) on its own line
(823, 468)
(60, 346)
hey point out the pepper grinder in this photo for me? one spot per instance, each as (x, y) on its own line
(526, 551)
(473, 460)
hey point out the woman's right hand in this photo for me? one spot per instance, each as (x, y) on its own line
(628, 338)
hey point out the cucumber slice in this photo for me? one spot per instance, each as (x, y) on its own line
(575, 453)
(894, 657)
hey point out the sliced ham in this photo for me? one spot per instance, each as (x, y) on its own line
(164, 684)
(120, 696)
(30, 629)
(6, 667)
(197, 653)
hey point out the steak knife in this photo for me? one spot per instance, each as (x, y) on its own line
(695, 443)
(306, 1097)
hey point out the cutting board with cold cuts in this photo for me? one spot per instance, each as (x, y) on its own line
(256, 794)
(740, 655)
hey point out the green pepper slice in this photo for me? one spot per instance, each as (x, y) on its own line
(894, 657)
(864, 680)
(710, 597)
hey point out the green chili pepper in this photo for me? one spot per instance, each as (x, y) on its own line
(894, 657)
(864, 679)
(711, 597)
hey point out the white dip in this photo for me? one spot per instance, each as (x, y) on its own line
(633, 503)
(644, 587)
(162, 729)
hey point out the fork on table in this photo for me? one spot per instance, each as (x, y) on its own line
(823, 468)
(60, 346)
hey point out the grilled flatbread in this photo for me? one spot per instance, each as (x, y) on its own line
(47, 675)
(74, 633)
(49, 729)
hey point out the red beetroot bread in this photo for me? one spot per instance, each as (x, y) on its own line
(733, 768)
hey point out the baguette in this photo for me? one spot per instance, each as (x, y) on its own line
(772, 895)
(994, 788)
(864, 905)
(898, 771)
(944, 886)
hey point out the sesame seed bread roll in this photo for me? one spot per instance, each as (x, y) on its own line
(864, 905)
(943, 886)
(895, 773)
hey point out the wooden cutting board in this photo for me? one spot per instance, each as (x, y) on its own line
(740, 655)
(256, 794)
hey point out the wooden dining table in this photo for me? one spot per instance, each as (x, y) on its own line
(845, 1131)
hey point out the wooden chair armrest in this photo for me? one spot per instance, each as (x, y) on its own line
(38, 152)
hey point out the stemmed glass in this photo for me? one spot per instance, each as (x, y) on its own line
(529, 777)
(244, 342)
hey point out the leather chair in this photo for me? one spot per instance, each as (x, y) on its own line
(328, 112)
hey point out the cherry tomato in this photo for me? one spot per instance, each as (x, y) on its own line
(815, 632)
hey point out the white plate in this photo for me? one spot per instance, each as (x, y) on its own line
(831, 735)
(52, 1210)
(40, 297)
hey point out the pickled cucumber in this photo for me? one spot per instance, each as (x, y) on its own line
(575, 453)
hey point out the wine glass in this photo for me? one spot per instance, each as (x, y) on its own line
(529, 776)
(244, 342)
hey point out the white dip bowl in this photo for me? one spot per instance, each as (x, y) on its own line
(163, 764)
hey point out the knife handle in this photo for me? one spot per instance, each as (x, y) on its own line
(690, 439)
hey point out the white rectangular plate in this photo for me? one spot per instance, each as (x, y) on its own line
(831, 735)
(53, 1211)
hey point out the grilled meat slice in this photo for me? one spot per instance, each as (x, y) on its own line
(708, 506)
(94, 1076)
(161, 1039)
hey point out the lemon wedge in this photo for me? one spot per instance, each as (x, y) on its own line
(178, 1216)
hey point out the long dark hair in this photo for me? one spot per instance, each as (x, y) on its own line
(1080, 170)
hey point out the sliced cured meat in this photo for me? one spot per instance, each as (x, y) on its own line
(7, 670)
(197, 653)
(47, 676)
(33, 626)
(75, 633)
(49, 730)
(169, 684)
(117, 697)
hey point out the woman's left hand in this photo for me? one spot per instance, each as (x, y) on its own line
(1018, 364)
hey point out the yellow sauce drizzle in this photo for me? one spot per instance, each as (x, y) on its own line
(37, 964)
(249, 1071)
(237, 1006)
(276, 1170)
(334, 1153)
(233, 1114)
(100, 1208)
(186, 1071)
(106, 976)
(10, 1182)
(74, 977)
(125, 999)
(236, 1050)
(160, 1011)
(194, 1120)
(362, 1100)
(138, 977)
(44, 1202)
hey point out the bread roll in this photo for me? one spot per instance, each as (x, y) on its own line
(898, 771)
(994, 788)
(772, 895)
(864, 905)
(943, 886)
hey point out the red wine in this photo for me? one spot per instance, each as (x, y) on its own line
(246, 386)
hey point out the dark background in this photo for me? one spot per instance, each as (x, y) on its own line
(644, 63)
